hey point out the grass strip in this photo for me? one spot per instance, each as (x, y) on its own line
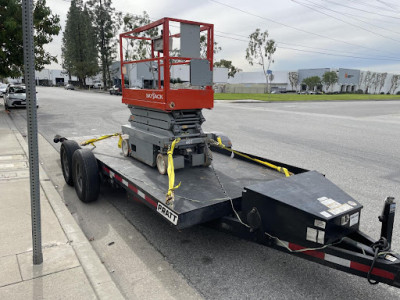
(297, 97)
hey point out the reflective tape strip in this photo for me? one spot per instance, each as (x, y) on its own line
(337, 260)
(130, 186)
(313, 253)
(377, 272)
(148, 199)
(141, 194)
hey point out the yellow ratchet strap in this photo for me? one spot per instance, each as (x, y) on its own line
(171, 173)
(94, 140)
(279, 169)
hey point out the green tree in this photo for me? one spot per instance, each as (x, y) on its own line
(293, 79)
(232, 70)
(107, 22)
(394, 84)
(260, 51)
(329, 79)
(140, 49)
(46, 25)
(203, 46)
(312, 82)
(382, 81)
(79, 51)
(367, 81)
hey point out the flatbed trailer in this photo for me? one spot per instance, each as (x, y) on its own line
(240, 196)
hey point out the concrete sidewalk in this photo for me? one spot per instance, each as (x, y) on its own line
(71, 268)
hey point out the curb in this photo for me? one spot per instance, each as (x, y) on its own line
(97, 274)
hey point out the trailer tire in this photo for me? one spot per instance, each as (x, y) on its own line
(68, 147)
(86, 175)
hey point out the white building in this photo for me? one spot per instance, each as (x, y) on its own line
(52, 77)
(349, 80)
(246, 82)
(141, 74)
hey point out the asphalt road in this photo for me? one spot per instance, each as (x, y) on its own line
(356, 144)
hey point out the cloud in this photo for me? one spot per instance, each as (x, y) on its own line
(342, 38)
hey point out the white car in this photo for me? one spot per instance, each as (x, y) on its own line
(98, 85)
(15, 96)
(3, 88)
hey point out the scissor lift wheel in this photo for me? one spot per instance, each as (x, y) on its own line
(162, 163)
(126, 150)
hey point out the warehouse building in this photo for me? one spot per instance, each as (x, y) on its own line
(141, 75)
(255, 82)
(349, 81)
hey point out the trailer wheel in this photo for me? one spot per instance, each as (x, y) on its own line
(86, 175)
(68, 147)
(208, 157)
(162, 163)
(126, 150)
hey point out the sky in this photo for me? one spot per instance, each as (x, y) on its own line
(359, 34)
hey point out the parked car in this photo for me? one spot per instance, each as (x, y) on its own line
(115, 90)
(3, 88)
(15, 96)
(69, 87)
(98, 85)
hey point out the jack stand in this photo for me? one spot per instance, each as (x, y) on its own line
(387, 219)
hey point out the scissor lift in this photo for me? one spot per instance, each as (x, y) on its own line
(162, 113)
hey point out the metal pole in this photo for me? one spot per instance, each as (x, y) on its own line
(29, 72)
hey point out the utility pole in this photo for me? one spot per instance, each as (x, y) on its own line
(29, 72)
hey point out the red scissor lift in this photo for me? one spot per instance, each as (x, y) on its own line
(163, 113)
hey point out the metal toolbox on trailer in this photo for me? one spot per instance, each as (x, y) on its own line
(306, 208)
